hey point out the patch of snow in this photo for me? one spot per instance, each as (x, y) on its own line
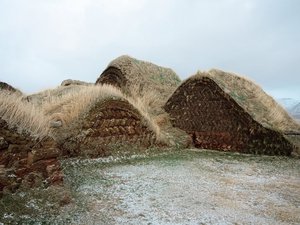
(195, 191)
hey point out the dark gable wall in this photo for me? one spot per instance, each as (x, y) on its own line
(112, 76)
(215, 121)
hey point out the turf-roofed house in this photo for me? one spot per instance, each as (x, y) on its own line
(147, 86)
(139, 77)
(109, 121)
(126, 103)
(224, 111)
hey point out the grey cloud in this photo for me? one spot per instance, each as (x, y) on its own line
(44, 42)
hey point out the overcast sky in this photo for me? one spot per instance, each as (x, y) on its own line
(45, 42)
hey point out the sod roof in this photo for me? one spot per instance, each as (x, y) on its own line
(253, 99)
(140, 76)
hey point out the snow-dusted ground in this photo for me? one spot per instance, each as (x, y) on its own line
(191, 187)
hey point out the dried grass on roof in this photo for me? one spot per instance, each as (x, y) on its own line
(5, 86)
(66, 104)
(141, 77)
(23, 115)
(71, 105)
(49, 95)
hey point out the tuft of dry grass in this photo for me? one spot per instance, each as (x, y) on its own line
(150, 105)
(70, 106)
(42, 97)
(23, 115)
(144, 108)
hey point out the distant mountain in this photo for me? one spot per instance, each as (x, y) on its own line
(291, 105)
(295, 111)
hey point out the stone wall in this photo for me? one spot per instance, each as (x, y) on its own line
(25, 162)
(107, 124)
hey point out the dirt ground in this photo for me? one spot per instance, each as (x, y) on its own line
(185, 187)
